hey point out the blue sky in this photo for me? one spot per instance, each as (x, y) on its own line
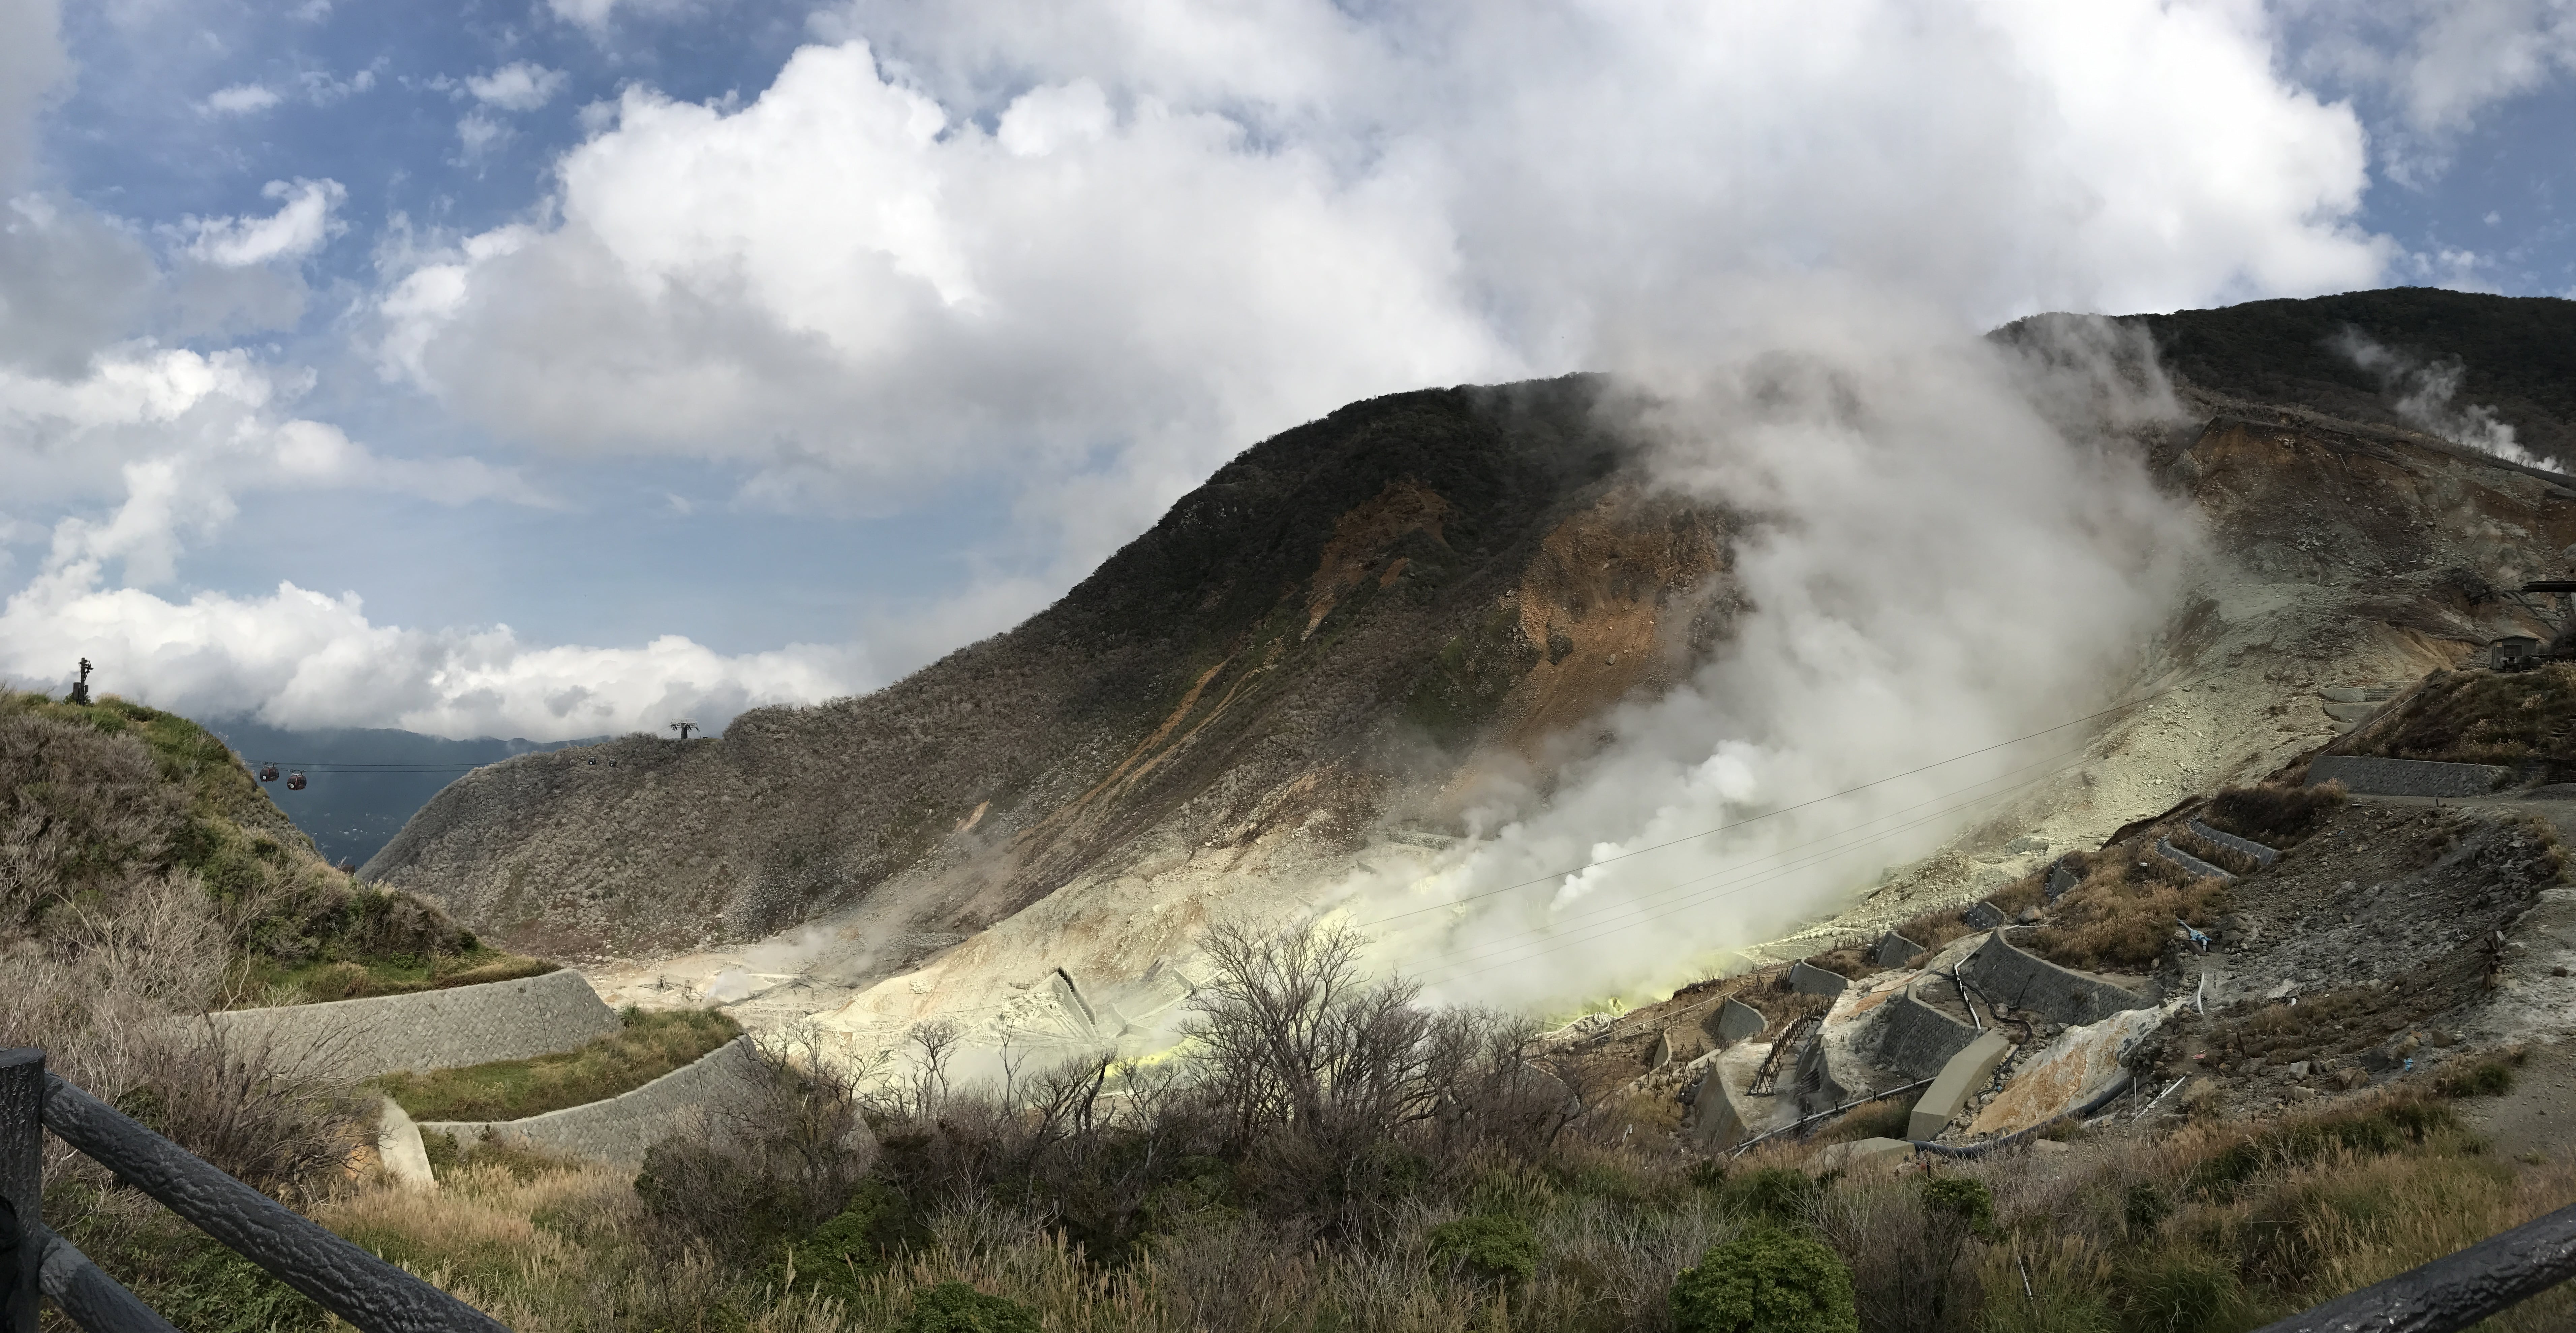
(545, 369)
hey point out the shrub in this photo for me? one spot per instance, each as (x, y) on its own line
(2274, 815)
(2373, 1131)
(857, 1240)
(954, 1307)
(1969, 1200)
(750, 1183)
(1766, 1281)
(1781, 1194)
(1502, 1249)
(2486, 1078)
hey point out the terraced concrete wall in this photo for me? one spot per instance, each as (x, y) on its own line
(1917, 1039)
(439, 1029)
(2262, 854)
(2006, 975)
(620, 1128)
(2405, 777)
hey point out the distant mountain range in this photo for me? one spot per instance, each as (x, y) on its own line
(363, 784)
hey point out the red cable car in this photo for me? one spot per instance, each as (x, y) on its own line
(295, 780)
(268, 772)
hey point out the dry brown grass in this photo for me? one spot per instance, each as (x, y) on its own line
(2273, 814)
(2121, 918)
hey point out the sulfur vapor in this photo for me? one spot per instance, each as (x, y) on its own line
(1948, 545)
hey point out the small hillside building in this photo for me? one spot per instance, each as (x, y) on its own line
(2514, 652)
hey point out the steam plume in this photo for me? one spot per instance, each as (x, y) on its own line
(2424, 394)
(1950, 546)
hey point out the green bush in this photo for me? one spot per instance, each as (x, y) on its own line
(1500, 1248)
(1766, 1281)
(1970, 1200)
(2486, 1078)
(2185, 1288)
(857, 1240)
(1778, 1194)
(954, 1307)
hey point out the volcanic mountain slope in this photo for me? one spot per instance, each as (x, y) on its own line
(1314, 660)
(1348, 619)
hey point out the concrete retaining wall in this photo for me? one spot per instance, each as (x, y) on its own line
(1959, 1080)
(2406, 777)
(2007, 975)
(1736, 1021)
(1893, 949)
(2243, 846)
(620, 1128)
(2191, 865)
(1916, 1039)
(1807, 980)
(2061, 877)
(439, 1029)
(1982, 916)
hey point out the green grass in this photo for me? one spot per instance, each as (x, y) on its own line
(647, 1047)
(399, 974)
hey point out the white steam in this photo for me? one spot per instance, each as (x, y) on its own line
(1947, 548)
(2424, 395)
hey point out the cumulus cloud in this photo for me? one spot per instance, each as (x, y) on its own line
(519, 86)
(1097, 249)
(240, 100)
(2438, 65)
(299, 658)
(302, 224)
(174, 435)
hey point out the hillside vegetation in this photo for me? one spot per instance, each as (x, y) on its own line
(1334, 1155)
(2515, 354)
(2523, 720)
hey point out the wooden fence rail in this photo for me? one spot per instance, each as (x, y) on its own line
(340, 1277)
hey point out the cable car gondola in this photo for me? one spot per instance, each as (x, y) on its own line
(268, 772)
(295, 780)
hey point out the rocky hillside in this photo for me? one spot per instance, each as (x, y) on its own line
(1317, 657)
(1340, 623)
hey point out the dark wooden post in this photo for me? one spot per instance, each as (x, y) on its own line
(22, 1185)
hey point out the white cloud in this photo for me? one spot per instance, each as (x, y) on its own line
(169, 436)
(1190, 228)
(302, 224)
(518, 86)
(477, 133)
(240, 100)
(2438, 65)
(32, 66)
(298, 658)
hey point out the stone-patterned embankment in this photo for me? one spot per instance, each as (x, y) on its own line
(424, 1030)
(618, 1129)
